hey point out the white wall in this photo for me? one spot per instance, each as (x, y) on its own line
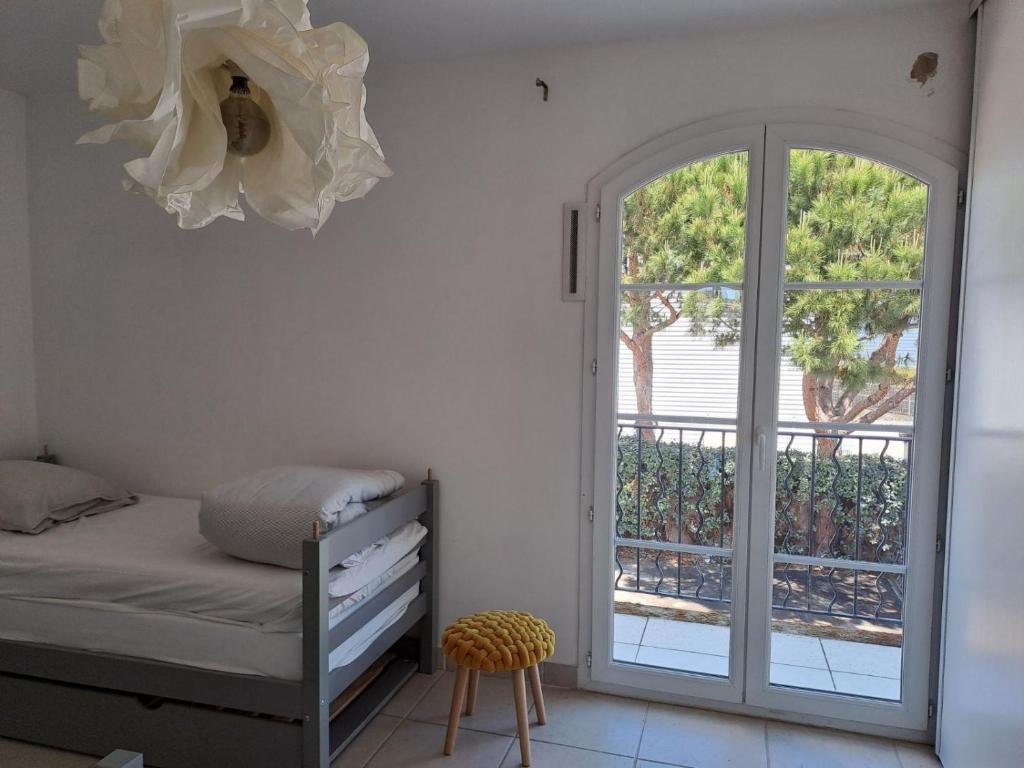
(982, 708)
(17, 376)
(424, 325)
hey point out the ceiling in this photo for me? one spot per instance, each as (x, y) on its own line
(38, 38)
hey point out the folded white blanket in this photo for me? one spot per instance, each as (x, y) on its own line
(370, 563)
(341, 607)
(265, 517)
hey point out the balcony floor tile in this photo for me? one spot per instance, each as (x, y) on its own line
(686, 636)
(624, 651)
(863, 658)
(629, 629)
(866, 685)
(801, 677)
(797, 651)
(687, 661)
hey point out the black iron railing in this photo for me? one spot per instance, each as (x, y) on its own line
(840, 512)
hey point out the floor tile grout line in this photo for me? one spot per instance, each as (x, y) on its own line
(659, 762)
(462, 727)
(797, 666)
(829, 665)
(683, 650)
(508, 751)
(385, 741)
(899, 760)
(577, 748)
(643, 730)
(401, 718)
(643, 632)
(423, 695)
(865, 674)
(582, 749)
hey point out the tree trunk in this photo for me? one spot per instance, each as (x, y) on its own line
(813, 397)
(643, 381)
(643, 374)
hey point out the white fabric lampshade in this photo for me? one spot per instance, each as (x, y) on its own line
(161, 75)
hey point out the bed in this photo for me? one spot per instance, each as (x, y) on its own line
(129, 630)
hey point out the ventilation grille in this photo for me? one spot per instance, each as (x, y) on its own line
(573, 252)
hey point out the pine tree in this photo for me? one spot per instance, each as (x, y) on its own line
(848, 220)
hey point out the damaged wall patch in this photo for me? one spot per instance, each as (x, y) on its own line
(925, 67)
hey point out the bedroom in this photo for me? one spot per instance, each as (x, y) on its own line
(425, 326)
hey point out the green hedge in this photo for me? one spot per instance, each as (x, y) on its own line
(671, 469)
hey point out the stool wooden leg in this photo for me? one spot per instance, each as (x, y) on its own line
(538, 695)
(522, 711)
(474, 682)
(458, 696)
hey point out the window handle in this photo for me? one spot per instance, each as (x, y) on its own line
(762, 450)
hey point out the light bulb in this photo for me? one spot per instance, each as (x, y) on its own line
(245, 121)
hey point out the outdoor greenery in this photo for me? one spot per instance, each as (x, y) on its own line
(670, 471)
(849, 219)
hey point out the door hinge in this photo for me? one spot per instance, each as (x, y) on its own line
(590, 514)
(590, 659)
(931, 709)
(597, 212)
(961, 196)
(593, 367)
(949, 375)
(938, 544)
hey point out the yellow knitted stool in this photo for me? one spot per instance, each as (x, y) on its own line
(498, 641)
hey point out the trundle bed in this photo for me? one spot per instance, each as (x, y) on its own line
(153, 641)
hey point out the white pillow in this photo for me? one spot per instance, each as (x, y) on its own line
(35, 496)
(265, 517)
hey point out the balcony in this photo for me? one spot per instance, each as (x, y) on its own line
(839, 536)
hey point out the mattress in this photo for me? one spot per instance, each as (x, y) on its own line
(222, 646)
(141, 581)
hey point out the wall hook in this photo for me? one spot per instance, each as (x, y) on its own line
(541, 84)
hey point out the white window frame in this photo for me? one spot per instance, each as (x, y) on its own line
(749, 139)
(932, 161)
(912, 711)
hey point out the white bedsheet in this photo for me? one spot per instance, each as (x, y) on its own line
(151, 557)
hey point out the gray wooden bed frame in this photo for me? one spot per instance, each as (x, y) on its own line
(187, 717)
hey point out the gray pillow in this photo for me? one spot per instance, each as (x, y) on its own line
(35, 496)
(265, 517)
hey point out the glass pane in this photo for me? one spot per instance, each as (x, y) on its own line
(675, 485)
(679, 360)
(850, 218)
(841, 498)
(849, 356)
(688, 226)
(679, 352)
(842, 495)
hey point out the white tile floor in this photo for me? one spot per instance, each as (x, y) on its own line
(584, 730)
(862, 669)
